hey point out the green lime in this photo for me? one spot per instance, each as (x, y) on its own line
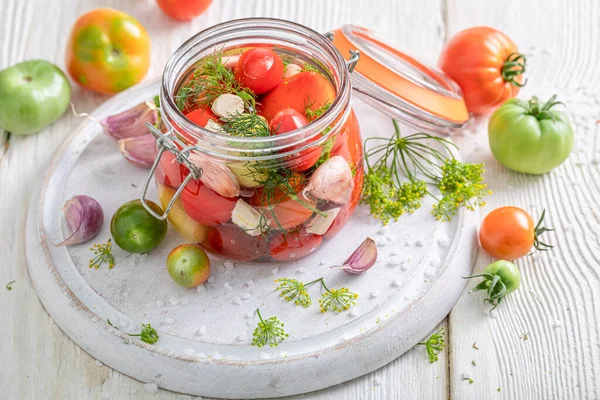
(188, 265)
(135, 230)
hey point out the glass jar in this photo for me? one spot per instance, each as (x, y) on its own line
(280, 207)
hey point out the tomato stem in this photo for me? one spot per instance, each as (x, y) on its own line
(513, 66)
(537, 231)
(542, 111)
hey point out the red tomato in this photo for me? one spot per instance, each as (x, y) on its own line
(259, 69)
(286, 213)
(487, 66)
(287, 120)
(183, 10)
(293, 245)
(200, 116)
(306, 89)
(348, 143)
(232, 242)
(171, 172)
(205, 206)
(347, 211)
(509, 233)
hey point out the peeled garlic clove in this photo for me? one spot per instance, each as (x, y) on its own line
(362, 259)
(319, 224)
(332, 182)
(214, 127)
(230, 61)
(227, 105)
(292, 69)
(248, 218)
(132, 122)
(139, 150)
(216, 176)
(84, 217)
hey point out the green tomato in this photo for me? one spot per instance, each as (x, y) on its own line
(188, 265)
(135, 230)
(499, 279)
(33, 94)
(530, 137)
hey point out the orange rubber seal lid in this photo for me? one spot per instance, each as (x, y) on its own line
(399, 84)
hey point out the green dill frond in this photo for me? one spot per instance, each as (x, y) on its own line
(312, 115)
(337, 300)
(246, 125)
(148, 334)
(293, 290)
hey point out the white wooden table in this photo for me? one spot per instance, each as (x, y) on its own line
(544, 342)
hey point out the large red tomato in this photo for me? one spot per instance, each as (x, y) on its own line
(205, 206)
(232, 242)
(487, 66)
(307, 89)
(259, 69)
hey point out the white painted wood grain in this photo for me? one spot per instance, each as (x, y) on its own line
(558, 305)
(38, 360)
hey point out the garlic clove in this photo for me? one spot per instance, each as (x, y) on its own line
(332, 182)
(84, 217)
(362, 259)
(248, 218)
(319, 225)
(131, 122)
(214, 127)
(292, 69)
(216, 176)
(139, 150)
(227, 105)
(230, 61)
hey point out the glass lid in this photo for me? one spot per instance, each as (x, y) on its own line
(399, 85)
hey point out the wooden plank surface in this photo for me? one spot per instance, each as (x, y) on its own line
(558, 305)
(39, 361)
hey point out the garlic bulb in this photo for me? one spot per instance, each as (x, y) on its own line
(332, 182)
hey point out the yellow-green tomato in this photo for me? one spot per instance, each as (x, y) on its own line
(188, 265)
(529, 136)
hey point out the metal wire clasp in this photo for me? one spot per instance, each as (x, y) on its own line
(169, 142)
(354, 54)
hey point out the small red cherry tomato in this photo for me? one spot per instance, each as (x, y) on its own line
(293, 245)
(287, 120)
(259, 69)
(204, 205)
(234, 243)
(307, 89)
(200, 116)
(183, 10)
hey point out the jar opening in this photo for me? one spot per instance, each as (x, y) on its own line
(284, 37)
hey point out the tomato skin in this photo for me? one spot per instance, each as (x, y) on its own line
(188, 265)
(204, 205)
(170, 171)
(200, 116)
(474, 58)
(259, 69)
(232, 242)
(183, 10)
(298, 91)
(287, 120)
(527, 142)
(108, 51)
(508, 272)
(347, 211)
(507, 233)
(293, 245)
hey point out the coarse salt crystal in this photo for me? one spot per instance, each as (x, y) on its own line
(237, 300)
(375, 293)
(420, 243)
(241, 337)
(201, 331)
(229, 265)
(227, 286)
(354, 311)
(443, 241)
(189, 351)
(201, 355)
(301, 270)
(212, 279)
(221, 269)
(397, 283)
(274, 271)
(201, 289)
(250, 314)
(173, 301)
(246, 296)
(159, 303)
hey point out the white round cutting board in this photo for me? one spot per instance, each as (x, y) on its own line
(206, 333)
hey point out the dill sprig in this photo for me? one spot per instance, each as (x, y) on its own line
(8, 285)
(103, 254)
(292, 289)
(326, 153)
(210, 80)
(311, 114)
(337, 300)
(312, 68)
(246, 125)
(434, 345)
(268, 331)
(398, 179)
(147, 335)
